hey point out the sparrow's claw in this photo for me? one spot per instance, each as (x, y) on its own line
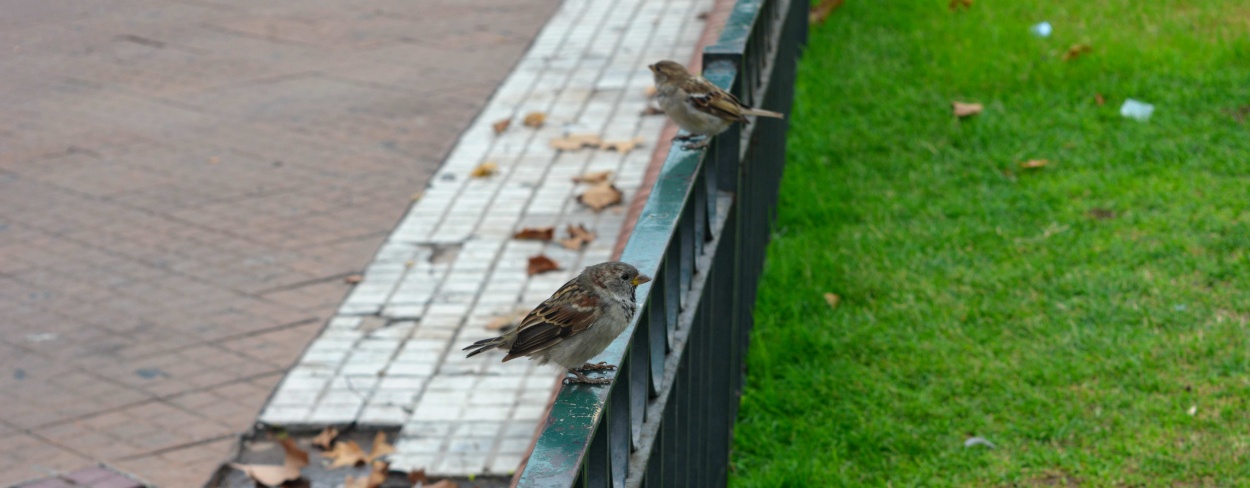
(602, 366)
(581, 378)
(684, 137)
(690, 146)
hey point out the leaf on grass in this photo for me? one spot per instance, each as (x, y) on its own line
(271, 475)
(956, 4)
(444, 484)
(1102, 213)
(483, 170)
(573, 142)
(536, 234)
(1099, 99)
(578, 236)
(1076, 51)
(535, 119)
(541, 264)
(600, 196)
(593, 178)
(1193, 410)
(622, 146)
(1034, 163)
(963, 109)
(501, 125)
(417, 476)
(380, 447)
(353, 279)
(819, 13)
(377, 476)
(507, 320)
(325, 440)
(346, 454)
(833, 300)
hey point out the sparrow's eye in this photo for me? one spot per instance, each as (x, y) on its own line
(625, 277)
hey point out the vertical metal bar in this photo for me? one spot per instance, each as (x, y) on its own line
(618, 419)
(669, 432)
(685, 245)
(672, 285)
(597, 459)
(656, 330)
(639, 379)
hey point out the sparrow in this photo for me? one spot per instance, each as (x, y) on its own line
(698, 106)
(576, 323)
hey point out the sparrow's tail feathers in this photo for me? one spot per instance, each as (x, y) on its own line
(485, 345)
(763, 113)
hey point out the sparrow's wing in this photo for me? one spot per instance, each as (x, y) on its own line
(706, 97)
(569, 311)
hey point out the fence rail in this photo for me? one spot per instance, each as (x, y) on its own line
(667, 417)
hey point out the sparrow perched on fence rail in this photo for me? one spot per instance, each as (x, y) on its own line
(578, 322)
(698, 106)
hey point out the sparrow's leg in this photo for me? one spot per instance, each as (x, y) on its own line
(602, 366)
(581, 378)
(697, 145)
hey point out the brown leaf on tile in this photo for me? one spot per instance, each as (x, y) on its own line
(593, 178)
(535, 119)
(417, 476)
(963, 109)
(1076, 51)
(444, 484)
(541, 264)
(271, 475)
(1034, 163)
(346, 454)
(573, 142)
(504, 321)
(483, 170)
(578, 236)
(833, 300)
(380, 447)
(353, 279)
(501, 125)
(600, 196)
(325, 440)
(819, 13)
(622, 146)
(377, 476)
(536, 234)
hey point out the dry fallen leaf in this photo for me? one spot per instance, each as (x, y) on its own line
(966, 109)
(1076, 51)
(535, 119)
(377, 476)
(507, 320)
(444, 484)
(380, 447)
(622, 146)
(346, 454)
(1034, 163)
(833, 300)
(417, 476)
(578, 237)
(1102, 213)
(214, 160)
(325, 439)
(483, 170)
(593, 178)
(541, 264)
(353, 279)
(819, 13)
(600, 196)
(417, 196)
(955, 4)
(573, 142)
(501, 125)
(1099, 99)
(270, 475)
(536, 234)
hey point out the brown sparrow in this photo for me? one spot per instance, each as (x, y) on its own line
(696, 105)
(576, 323)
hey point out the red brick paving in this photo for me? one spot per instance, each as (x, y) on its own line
(183, 186)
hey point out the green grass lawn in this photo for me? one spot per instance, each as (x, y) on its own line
(1073, 315)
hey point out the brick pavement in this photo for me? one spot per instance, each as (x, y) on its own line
(183, 187)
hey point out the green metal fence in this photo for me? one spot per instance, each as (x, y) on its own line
(667, 418)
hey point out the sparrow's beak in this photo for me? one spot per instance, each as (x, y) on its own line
(651, 67)
(640, 279)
